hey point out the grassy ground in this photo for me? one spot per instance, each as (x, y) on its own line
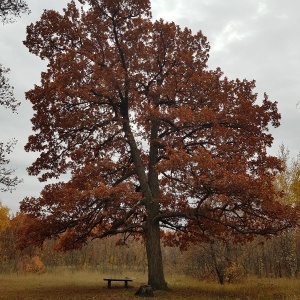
(89, 285)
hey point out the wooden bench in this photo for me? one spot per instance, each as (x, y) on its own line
(109, 280)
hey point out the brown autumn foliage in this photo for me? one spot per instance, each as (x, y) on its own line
(152, 138)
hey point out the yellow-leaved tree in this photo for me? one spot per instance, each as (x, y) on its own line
(4, 217)
(288, 181)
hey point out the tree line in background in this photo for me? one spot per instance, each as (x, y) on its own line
(222, 260)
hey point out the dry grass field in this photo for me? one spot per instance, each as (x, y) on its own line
(90, 285)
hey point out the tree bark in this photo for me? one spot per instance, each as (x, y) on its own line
(156, 278)
(150, 191)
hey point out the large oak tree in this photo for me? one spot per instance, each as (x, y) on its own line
(152, 138)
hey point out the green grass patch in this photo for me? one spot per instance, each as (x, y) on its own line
(90, 285)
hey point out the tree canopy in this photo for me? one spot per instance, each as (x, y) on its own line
(8, 181)
(4, 217)
(7, 98)
(288, 180)
(10, 9)
(152, 138)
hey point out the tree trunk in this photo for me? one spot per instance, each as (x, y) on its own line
(150, 191)
(156, 278)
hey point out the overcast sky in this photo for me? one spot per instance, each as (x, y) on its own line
(257, 39)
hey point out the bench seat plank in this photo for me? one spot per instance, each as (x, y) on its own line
(109, 280)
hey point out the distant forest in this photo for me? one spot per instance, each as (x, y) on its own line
(225, 262)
